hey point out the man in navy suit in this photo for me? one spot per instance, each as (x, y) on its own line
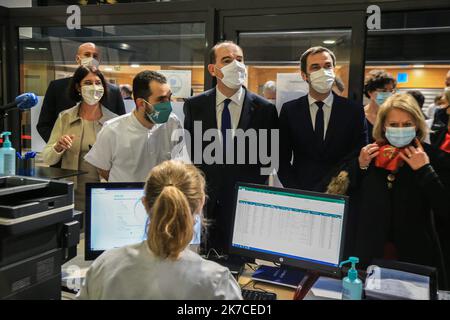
(57, 95)
(319, 130)
(229, 106)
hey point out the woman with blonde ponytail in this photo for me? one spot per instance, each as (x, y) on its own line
(163, 267)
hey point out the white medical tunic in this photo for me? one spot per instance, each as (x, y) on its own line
(129, 150)
(134, 272)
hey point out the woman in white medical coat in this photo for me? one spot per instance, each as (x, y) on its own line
(163, 267)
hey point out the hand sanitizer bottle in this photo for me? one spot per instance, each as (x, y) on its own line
(7, 156)
(351, 285)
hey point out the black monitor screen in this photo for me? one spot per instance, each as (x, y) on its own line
(292, 227)
(116, 217)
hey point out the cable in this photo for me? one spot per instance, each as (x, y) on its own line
(216, 253)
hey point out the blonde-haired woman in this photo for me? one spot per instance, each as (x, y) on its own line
(399, 192)
(162, 267)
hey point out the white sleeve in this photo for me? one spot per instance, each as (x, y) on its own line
(227, 288)
(101, 154)
(179, 149)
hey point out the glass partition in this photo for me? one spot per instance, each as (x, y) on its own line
(48, 53)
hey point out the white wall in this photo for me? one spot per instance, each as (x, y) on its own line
(15, 3)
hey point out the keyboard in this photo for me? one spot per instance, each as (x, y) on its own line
(248, 294)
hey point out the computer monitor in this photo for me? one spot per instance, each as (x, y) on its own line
(292, 227)
(116, 217)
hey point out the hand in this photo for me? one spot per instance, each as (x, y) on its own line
(64, 143)
(367, 154)
(415, 157)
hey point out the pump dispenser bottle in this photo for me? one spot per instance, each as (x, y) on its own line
(351, 285)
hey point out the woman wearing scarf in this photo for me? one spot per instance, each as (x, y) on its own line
(398, 192)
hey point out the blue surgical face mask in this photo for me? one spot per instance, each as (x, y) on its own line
(160, 113)
(400, 137)
(382, 97)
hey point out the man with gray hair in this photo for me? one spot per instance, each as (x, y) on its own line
(270, 91)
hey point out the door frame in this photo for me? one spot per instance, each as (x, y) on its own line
(351, 20)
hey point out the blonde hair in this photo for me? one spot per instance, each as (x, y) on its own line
(174, 192)
(404, 102)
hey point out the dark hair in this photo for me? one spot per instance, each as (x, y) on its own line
(78, 76)
(126, 89)
(312, 51)
(438, 98)
(212, 52)
(141, 83)
(377, 79)
(420, 98)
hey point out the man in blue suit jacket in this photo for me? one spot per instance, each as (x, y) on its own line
(228, 106)
(319, 130)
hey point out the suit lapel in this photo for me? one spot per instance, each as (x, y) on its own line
(210, 117)
(247, 110)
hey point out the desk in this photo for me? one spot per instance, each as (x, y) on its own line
(55, 173)
(283, 293)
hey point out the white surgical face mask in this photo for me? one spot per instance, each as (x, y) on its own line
(322, 80)
(234, 74)
(89, 62)
(92, 93)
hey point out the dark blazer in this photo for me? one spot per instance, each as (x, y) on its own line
(346, 133)
(403, 215)
(441, 163)
(257, 113)
(57, 99)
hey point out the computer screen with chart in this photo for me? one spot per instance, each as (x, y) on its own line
(292, 227)
(116, 217)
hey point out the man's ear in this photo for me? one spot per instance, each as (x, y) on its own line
(304, 76)
(212, 70)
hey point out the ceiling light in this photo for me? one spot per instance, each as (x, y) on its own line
(124, 46)
(329, 41)
(135, 65)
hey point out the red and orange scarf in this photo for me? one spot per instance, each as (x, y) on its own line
(389, 158)
(445, 146)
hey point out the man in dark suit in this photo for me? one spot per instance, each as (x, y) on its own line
(57, 96)
(319, 130)
(228, 106)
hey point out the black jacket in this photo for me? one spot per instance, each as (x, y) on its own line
(257, 113)
(57, 99)
(347, 132)
(403, 215)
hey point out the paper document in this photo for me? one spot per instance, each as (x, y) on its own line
(384, 283)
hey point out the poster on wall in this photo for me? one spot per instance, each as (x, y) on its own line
(180, 82)
(290, 86)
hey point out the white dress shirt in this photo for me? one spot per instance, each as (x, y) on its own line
(134, 272)
(327, 106)
(235, 107)
(129, 150)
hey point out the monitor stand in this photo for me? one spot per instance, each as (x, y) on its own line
(283, 276)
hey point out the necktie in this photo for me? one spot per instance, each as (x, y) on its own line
(226, 124)
(319, 125)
